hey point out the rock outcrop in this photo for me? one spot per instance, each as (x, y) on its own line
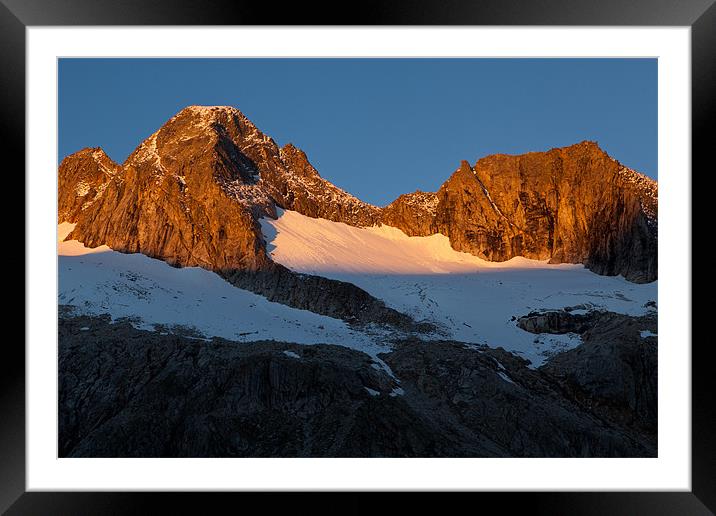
(324, 296)
(413, 213)
(125, 392)
(192, 194)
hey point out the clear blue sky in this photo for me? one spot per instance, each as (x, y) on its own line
(375, 127)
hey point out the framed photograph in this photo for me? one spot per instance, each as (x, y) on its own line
(433, 250)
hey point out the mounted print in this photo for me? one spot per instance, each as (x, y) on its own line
(357, 257)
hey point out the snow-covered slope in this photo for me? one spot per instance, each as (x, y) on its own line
(471, 299)
(155, 295)
(73, 247)
(321, 246)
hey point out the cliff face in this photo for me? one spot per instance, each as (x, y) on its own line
(192, 193)
(570, 205)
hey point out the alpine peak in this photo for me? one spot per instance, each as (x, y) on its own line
(192, 194)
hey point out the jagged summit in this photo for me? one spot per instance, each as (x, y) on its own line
(99, 156)
(193, 191)
(84, 177)
(211, 109)
(215, 116)
(212, 114)
(584, 146)
(301, 165)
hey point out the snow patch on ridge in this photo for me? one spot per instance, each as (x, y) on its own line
(420, 201)
(320, 246)
(147, 153)
(82, 188)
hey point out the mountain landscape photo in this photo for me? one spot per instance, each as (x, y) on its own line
(219, 297)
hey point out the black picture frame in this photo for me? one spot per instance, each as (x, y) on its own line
(16, 15)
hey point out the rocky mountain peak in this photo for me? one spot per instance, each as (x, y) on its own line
(211, 111)
(413, 213)
(219, 119)
(463, 175)
(465, 167)
(590, 145)
(97, 156)
(207, 152)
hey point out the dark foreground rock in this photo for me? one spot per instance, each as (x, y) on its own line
(614, 371)
(130, 393)
(334, 298)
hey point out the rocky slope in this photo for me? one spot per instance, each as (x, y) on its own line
(130, 393)
(301, 189)
(191, 194)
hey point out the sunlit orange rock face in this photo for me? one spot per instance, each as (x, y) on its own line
(574, 205)
(192, 193)
(570, 205)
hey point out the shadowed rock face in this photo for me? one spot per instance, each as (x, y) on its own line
(192, 193)
(324, 296)
(131, 393)
(614, 370)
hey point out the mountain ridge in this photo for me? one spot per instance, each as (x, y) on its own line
(192, 194)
